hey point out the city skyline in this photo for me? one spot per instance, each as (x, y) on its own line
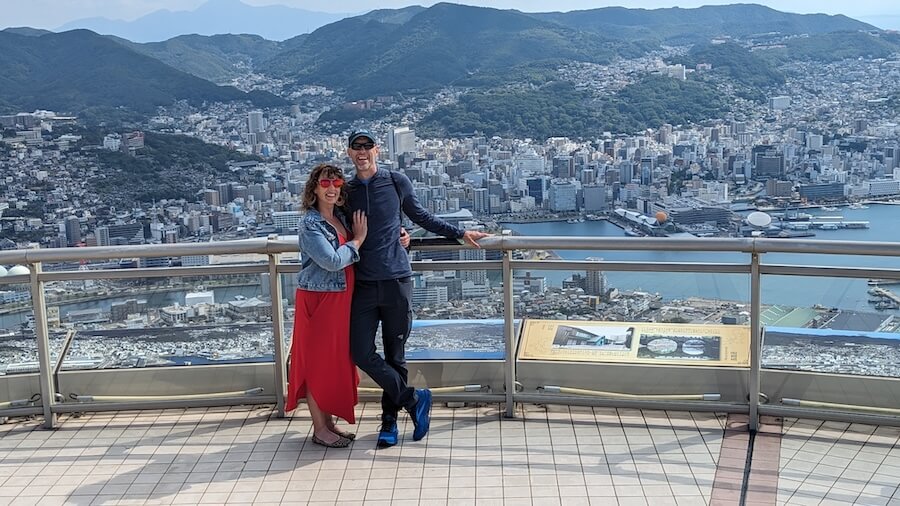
(52, 14)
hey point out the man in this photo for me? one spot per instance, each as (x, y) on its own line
(383, 289)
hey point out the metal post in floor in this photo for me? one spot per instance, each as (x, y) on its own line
(42, 335)
(755, 342)
(509, 379)
(277, 333)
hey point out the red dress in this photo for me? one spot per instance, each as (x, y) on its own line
(320, 351)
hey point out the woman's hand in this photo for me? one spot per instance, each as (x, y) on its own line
(404, 238)
(360, 227)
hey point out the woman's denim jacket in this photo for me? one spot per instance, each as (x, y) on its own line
(322, 257)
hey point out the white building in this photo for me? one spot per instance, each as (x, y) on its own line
(779, 103)
(194, 260)
(112, 142)
(472, 290)
(529, 283)
(286, 220)
(880, 187)
(713, 192)
(194, 298)
(430, 296)
(400, 140)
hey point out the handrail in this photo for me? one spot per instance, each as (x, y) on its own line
(263, 246)
(270, 248)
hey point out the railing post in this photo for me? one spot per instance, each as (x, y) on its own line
(509, 379)
(277, 332)
(755, 341)
(42, 335)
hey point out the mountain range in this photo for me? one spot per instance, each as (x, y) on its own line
(687, 26)
(417, 49)
(216, 58)
(79, 70)
(273, 22)
(390, 51)
(434, 47)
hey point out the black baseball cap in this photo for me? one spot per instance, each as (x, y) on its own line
(360, 133)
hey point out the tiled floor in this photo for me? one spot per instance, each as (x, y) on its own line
(554, 455)
(473, 455)
(832, 463)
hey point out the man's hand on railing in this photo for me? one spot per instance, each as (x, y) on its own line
(472, 237)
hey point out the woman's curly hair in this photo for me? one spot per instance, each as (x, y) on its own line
(326, 171)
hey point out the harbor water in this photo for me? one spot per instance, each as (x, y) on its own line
(843, 293)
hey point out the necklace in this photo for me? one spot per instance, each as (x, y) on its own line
(338, 226)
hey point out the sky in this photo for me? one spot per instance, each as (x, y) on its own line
(50, 14)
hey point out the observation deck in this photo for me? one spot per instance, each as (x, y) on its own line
(615, 397)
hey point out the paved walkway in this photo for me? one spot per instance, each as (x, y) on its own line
(556, 455)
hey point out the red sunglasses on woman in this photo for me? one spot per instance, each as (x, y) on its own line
(325, 183)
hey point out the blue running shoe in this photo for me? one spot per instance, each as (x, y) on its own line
(388, 433)
(421, 415)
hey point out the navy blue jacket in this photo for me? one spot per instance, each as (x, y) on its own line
(381, 257)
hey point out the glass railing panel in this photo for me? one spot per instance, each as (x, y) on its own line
(457, 315)
(832, 325)
(844, 331)
(152, 322)
(673, 297)
(680, 334)
(18, 347)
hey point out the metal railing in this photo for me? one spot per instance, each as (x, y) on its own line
(271, 250)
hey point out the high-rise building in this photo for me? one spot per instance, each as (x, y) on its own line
(102, 236)
(770, 165)
(814, 141)
(767, 161)
(537, 188)
(595, 281)
(482, 203)
(73, 230)
(478, 277)
(255, 122)
(224, 190)
(400, 140)
(211, 197)
(260, 192)
(563, 166)
(530, 163)
(123, 234)
(594, 198)
(562, 196)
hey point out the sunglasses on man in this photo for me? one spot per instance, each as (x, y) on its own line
(325, 183)
(358, 146)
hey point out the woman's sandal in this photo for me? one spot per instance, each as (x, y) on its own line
(346, 435)
(340, 443)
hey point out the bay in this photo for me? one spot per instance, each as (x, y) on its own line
(843, 293)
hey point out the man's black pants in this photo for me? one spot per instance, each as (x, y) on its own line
(388, 302)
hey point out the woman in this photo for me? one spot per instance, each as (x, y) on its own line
(321, 369)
